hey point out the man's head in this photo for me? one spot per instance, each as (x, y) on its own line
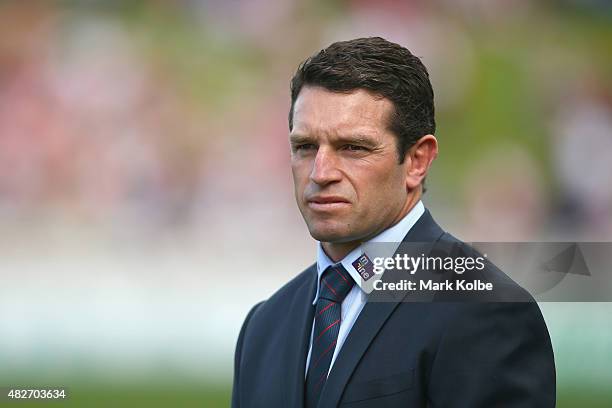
(384, 68)
(362, 124)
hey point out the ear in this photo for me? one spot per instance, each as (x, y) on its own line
(418, 159)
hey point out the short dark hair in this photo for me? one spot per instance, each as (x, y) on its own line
(383, 68)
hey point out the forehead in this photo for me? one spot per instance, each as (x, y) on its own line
(318, 110)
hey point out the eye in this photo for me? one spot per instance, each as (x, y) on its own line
(304, 147)
(354, 148)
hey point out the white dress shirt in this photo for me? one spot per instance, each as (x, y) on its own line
(354, 301)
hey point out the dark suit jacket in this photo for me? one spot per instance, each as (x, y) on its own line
(401, 354)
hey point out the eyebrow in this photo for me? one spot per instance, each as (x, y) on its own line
(356, 139)
(298, 139)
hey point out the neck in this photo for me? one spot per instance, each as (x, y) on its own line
(336, 251)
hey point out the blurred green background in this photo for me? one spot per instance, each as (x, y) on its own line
(144, 173)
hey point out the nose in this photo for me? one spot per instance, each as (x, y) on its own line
(325, 167)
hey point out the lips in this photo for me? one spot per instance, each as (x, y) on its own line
(327, 203)
(327, 199)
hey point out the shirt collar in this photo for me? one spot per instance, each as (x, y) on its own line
(394, 234)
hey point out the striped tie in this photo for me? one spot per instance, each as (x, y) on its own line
(335, 285)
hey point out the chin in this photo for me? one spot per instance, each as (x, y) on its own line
(330, 233)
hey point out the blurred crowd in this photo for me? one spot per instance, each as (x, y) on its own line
(173, 113)
(144, 165)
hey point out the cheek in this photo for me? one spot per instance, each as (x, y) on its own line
(295, 170)
(300, 176)
(381, 187)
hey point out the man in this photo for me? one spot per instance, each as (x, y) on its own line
(362, 141)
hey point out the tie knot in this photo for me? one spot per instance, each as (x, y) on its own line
(336, 283)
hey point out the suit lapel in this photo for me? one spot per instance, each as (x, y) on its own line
(368, 324)
(298, 336)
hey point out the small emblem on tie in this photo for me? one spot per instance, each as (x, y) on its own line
(364, 267)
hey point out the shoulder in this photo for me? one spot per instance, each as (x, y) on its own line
(304, 281)
(504, 288)
(301, 286)
(506, 313)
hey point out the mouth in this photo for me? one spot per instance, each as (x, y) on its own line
(327, 203)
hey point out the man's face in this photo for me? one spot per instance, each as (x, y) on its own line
(349, 185)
